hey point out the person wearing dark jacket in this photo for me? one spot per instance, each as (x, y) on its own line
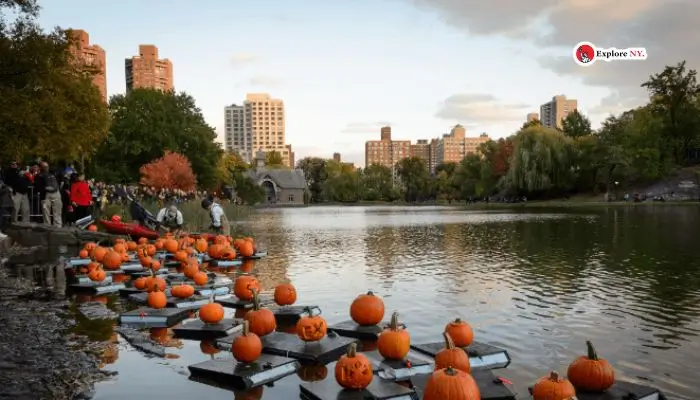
(80, 197)
(47, 188)
(19, 184)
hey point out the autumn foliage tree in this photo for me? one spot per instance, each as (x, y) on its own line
(172, 171)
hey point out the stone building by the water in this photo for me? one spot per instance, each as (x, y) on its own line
(283, 187)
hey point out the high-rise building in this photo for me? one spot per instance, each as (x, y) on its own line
(422, 150)
(258, 124)
(554, 111)
(336, 157)
(148, 71)
(92, 57)
(533, 117)
(433, 154)
(386, 152)
(454, 146)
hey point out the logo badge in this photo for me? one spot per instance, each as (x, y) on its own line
(586, 54)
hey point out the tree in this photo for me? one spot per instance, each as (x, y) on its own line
(415, 179)
(314, 171)
(273, 159)
(528, 124)
(445, 187)
(48, 104)
(172, 171)
(248, 190)
(148, 122)
(576, 125)
(229, 164)
(341, 182)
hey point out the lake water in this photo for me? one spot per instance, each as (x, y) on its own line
(535, 282)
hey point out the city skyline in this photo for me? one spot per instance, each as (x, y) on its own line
(420, 68)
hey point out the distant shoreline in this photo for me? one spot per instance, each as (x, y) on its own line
(558, 203)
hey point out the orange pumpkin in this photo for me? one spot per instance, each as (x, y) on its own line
(367, 309)
(221, 239)
(244, 286)
(452, 356)
(155, 265)
(171, 245)
(285, 294)
(154, 283)
(142, 240)
(353, 370)
(180, 255)
(83, 254)
(552, 387)
(98, 253)
(157, 299)
(131, 246)
(211, 313)
(246, 249)
(182, 291)
(591, 373)
(200, 279)
(145, 261)
(93, 266)
(140, 283)
(125, 257)
(227, 253)
(112, 260)
(247, 347)
(461, 332)
(97, 275)
(201, 245)
(208, 347)
(119, 247)
(452, 384)
(262, 321)
(311, 328)
(92, 228)
(312, 372)
(215, 251)
(90, 246)
(394, 342)
(248, 266)
(190, 267)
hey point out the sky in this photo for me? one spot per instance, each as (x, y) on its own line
(346, 68)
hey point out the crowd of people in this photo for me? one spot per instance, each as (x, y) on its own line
(60, 197)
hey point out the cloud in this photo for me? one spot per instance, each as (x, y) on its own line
(365, 127)
(667, 28)
(265, 81)
(242, 59)
(480, 108)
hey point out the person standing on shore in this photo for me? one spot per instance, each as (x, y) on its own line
(80, 198)
(219, 221)
(19, 184)
(46, 187)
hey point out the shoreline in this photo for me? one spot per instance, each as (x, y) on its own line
(558, 203)
(41, 358)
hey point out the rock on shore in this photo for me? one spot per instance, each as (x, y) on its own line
(39, 358)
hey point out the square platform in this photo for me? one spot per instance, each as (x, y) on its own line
(481, 355)
(97, 289)
(235, 302)
(76, 262)
(622, 390)
(194, 302)
(84, 279)
(132, 268)
(225, 263)
(232, 375)
(198, 330)
(379, 389)
(180, 277)
(350, 329)
(400, 370)
(258, 255)
(490, 386)
(146, 317)
(220, 291)
(161, 272)
(289, 315)
(328, 349)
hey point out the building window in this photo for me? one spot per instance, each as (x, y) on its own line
(291, 198)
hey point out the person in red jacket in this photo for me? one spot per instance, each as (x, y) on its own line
(80, 197)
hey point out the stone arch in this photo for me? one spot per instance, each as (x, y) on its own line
(270, 190)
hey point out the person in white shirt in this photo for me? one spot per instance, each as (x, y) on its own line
(219, 221)
(170, 219)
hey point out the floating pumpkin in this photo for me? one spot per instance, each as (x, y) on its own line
(142, 240)
(98, 253)
(120, 278)
(394, 342)
(182, 291)
(119, 248)
(200, 279)
(131, 245)
(452, 384)
(157, 299)
(112, 260)
(311, 328)
(140, 283)
(92, 228)
(227, 253)
(155, 265)
(97, 275)
(215, 251)
(312, 372)
(180, 255)
(83, 254)
(211, 313)
(285, 294)
(201, 245)
(452, 356)
(353, 370)
(262, 321)
(125, 257)
(246, 248)
(90, 246)
(154, 283)
(145, 261)
(190, 268)
(208, 347)
(367, 309)
(461, 332)
(247, 347)
(244, 286)
(591, 373)
(171, 245)
(553, 387)
(159, 244)
(93, 266)
(221, 240)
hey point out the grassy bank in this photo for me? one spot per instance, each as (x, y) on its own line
(196, 219)
(578, 202)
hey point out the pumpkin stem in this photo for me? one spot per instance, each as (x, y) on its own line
(554, 376)
(592, 353)
(246, 328)
(450, 371)
(352, 350)
(394, 324)
(457, 320)
(370, 293)
(256, 301)
(449, 343)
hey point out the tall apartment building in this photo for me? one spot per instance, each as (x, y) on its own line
(422, 150)
(533, 117)
(92, 57)
(292, 160)
(554, 111)
(454, 146)
(258, 124)
(336, 157)
(386, 152)
(148, 71)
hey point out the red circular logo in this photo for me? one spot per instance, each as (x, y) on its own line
(585, 54)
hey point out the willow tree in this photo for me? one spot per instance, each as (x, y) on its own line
(542, 162)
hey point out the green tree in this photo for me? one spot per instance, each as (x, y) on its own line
(467, 178)
(229, 164)
(377, 184)
(528, 124)
(247, 189)
(145, 124)
(576, 125)
(314, 171)
(445, 188)
(342, 182)
(48, 104)
(415, 179)
(273, 159)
